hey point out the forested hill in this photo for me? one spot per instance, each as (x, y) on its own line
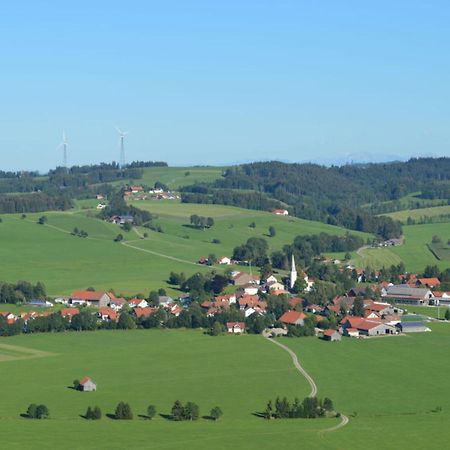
(334, 195)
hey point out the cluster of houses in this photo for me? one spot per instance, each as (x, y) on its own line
(137, 192)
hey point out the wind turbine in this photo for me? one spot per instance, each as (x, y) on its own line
(64, 144)
(122, 135)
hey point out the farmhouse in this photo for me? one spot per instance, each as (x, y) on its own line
(107, 314)
(242, 278)
(91, 298)
(428, 282)
(87, 385)
(293, 318)
(138, 303)
(144, 312)
(280, 212)
(224, 260)
(367, 327)
(236, 327)
(69, 312)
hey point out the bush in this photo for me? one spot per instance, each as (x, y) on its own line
(216, 413)
(123, 412)
(37, 411)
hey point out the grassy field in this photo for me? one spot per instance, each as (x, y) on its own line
(391, 400)
(414, 252)
(238, 373)
(416, 214)
(441, 250)
(174, 177)
(231, 228)
(64, 262)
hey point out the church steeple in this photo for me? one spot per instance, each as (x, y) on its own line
(293, 277)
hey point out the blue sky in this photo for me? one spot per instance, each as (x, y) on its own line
(208, 82)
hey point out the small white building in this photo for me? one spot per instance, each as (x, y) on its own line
(224, 260)
(236, 327)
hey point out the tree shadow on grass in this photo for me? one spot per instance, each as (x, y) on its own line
(166, 416)
(25, 416)
(209, 418)
(145, 417)
(111, 416)
(261, 415)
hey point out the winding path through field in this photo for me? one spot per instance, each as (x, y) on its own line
(344, 419)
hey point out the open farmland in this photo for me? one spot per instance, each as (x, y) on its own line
(49, 252)
(174, 177)
(186, 365)
(417, 214)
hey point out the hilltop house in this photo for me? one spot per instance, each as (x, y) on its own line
(280, 212)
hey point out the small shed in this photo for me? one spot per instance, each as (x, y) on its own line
(87, 385)
(331, 335)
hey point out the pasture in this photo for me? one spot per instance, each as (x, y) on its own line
(393, 399)
(417, 214)
(64, 262)
(174, 177)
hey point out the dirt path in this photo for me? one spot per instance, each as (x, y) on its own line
(297, 365)
(344, 419)
(162, 255)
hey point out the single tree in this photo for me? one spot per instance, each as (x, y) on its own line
(272, 231)
(42, 412)
(447, 314)
(216, 413)
(31, 411)
(118, 238)
(96, 413)
(151, 411)
(123, 411)
(177, 411)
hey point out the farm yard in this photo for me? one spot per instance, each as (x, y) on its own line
(238, 373)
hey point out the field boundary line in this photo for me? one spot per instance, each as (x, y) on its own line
(344, 419)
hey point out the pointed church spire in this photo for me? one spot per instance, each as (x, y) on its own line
(293, 277)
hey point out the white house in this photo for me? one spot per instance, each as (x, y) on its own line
(236, 327)
(224, 260)
(138, 303)
(280, 212)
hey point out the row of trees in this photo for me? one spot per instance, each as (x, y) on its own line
(20, 292)
(201, 222)
(309, 408)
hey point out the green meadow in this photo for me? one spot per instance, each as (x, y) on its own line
(49, 252)
(414, 252)
(388, 395)
(174, 177)
(417, 214)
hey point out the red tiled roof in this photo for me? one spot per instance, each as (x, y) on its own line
(291, 317)
(144, 312)
(69, 312)
(429, 281)
(329, 333)
(85, 380)
(240, 325)
(88, 295)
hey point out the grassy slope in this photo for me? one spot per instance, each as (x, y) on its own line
(64, 262)
(174, 177)
(414, 252)
(418, 213)
(231, 228)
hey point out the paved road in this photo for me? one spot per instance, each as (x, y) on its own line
(344, 419)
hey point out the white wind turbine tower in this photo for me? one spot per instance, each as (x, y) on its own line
(64, 144)
(122, 135)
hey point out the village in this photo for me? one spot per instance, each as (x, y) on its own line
(357, 314)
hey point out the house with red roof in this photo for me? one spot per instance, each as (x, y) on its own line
(144, 312)
(293, 318)
(428, 282)
(280, 212)
(91, 298)
(87, 385)
(107, 314)
(138, 303)
(69, 313)
(331, 335)
(236, 327)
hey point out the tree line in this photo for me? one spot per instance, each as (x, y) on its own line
(309, 408)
